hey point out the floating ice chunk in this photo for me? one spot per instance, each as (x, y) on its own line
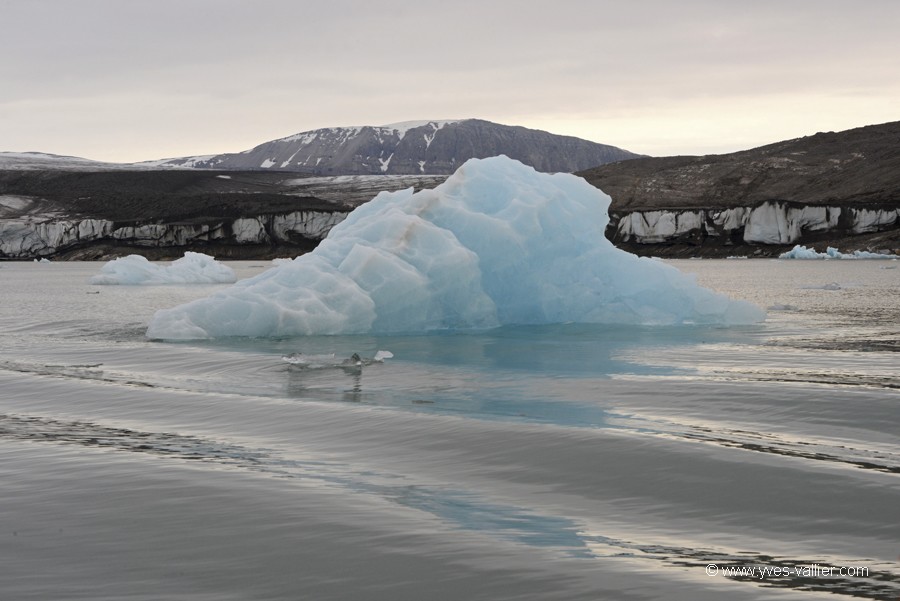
(829, 286)
(802, 252)
(380, 356)
(192, 268)
(497, 243)
(862, 254)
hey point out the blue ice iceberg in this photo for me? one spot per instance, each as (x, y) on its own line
(192, 268)
(497, 243)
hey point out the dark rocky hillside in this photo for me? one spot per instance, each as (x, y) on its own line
(148, 196)
(160, 214)
(855, 166)
(829, 188)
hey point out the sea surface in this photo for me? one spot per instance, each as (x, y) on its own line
(553, 462)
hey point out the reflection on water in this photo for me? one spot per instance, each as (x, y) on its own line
(657, 450)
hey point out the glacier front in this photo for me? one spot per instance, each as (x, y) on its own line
(497, 243)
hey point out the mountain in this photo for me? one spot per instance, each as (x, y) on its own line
(410, 148)
(808, 189)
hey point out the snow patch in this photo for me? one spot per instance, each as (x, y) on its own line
(404, 126)
(201, 161)
(302, 138)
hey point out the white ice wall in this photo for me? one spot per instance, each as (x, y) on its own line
(768, 223)
(33, 237)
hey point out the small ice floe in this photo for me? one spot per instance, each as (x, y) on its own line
(282, 261)
(829, 286)
(192, 268)
(331, 360)
(738, 257)
(42, 260)
(802, 252)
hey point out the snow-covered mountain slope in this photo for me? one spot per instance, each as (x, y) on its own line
(411, 148)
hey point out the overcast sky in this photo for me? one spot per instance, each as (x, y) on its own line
(129, 80)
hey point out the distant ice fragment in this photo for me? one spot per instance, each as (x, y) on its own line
(497, 243)
(192, 268)
(829, 286)
(802, 252)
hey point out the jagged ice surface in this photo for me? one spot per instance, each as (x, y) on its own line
(192, 268)
(802, 252)
(497, 243)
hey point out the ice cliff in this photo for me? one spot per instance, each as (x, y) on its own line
(770, 222)
(39, 235)
(497, 243)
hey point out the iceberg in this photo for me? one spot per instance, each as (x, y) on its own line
(802, 252)
(497, 243)
(192, 268)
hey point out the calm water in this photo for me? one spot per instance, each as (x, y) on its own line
(557, 462)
